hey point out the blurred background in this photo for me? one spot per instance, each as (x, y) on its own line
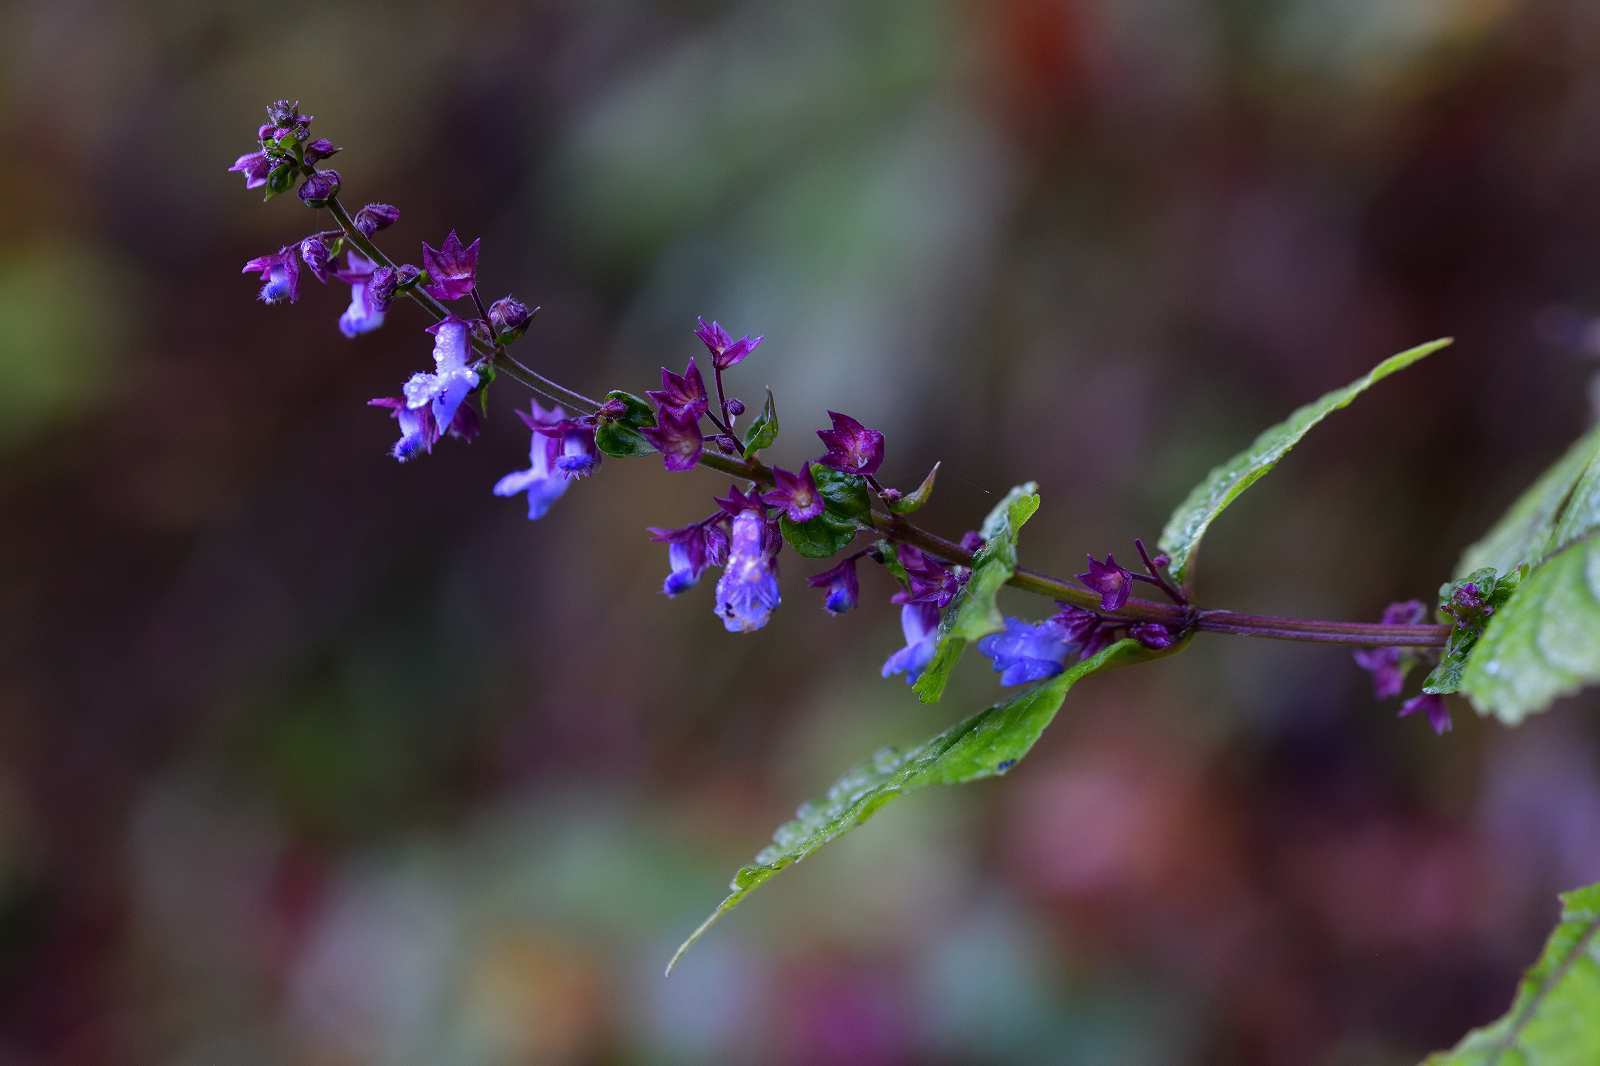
(308, 757)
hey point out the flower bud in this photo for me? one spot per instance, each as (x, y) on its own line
(736, 407)
(319, 188)
(321, 148)
(374, 217)
(510, 317)
(315, 254)
(406, 277)
(380, 289)
(284, 112)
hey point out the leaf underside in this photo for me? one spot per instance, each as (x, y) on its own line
(1226, 483)
(985, 745)
(1555, 1018)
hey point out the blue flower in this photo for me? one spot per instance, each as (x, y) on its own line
(920, 623)
(280, 275)
(363, 315)
(452, 378)
(541, 481)
(747, 592)
(1026, 651)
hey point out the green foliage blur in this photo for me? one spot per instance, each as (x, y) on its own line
(312, 758)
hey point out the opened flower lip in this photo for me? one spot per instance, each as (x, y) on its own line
(842, 583)
(541, 480)
(725, 351)
(919, 622)
(255, 166)
(852, 447)
(418, 431)
(689, 552)
(452, 378)
(578, 456)
(1027, 651)
(364, 313)
(683, 395)
(796, 493)
(280, 275)
(677, 437)
(452, 268)
(747, 592)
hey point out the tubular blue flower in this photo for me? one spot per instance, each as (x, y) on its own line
(255, 166)
(747, 592)
(418, 431)
(1389, 666)
(931, 581)
(725, 351)
(362, 316)
(688, 555)
(374, 217)
(920, 624)
(280, 275)
(683, 395)
(452, 378)
(796, 493)
(1026, 651)
(844, 587)
(1433, 706)
(543, 484)
(677, 437)
(1112, 582)
(852, 447)
(452, 269)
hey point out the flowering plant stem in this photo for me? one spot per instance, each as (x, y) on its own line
(897, 528)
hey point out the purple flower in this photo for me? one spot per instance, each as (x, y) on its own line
(280, 275)
(1388, 666)
(1152, 635)
(688, 555)
(747, 592)
(362, 316)
(374, 217)
(1433, 705)
(321, 149)
(255, 166)
(509, 318)
(1084, 629)
(852, 447)
(1026, 651)
(418, 431)
(736, 502)
(971, 541)
(844, 588)
(920, 623)
(452, 378)
(452, 269)
(683, 395)
(319, 188)
(579, 457)
(931, 581)
(314, 254)
(1112, 582)
(540, 481)
(725, 351)
(286, 113)
(677, 438)
(796, 493)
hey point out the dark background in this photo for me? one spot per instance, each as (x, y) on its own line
(309, 757)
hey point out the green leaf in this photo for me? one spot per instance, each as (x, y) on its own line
(846, 495)
(763, 431)
(1495, 591)
(913, 501)
(985, 745)
(1525, 534)
(819, 538)
(1227, 482)
(891, 562)
(620, 437)
(1544, 643)
(1555, 1017)
(973, 613)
